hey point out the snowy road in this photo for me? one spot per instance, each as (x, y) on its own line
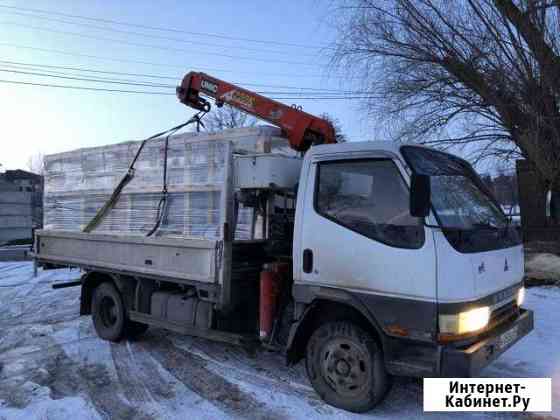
(52, 366)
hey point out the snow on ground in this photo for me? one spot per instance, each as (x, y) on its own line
(543, 266)
(52, 366)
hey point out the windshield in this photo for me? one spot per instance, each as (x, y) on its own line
(460, 203)
(459, 198)
(470, 218)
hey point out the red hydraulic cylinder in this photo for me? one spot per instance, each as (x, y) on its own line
(270, 285)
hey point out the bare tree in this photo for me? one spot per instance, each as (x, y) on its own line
(483, 75)
(36, 164)
(227, 117)
(338, 134)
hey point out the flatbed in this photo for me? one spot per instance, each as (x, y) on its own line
(179, 260)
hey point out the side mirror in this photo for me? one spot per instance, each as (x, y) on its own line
(420, 195)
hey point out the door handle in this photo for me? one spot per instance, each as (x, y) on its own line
(307, 261)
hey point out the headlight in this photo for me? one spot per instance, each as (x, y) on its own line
(464, 322)
(520, 296)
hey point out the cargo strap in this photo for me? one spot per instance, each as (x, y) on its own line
(162, 205)
(102, 212)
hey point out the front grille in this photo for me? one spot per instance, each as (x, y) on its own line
(503, 312)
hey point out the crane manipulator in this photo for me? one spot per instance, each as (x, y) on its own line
(302, 129)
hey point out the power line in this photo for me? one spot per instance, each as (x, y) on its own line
(169, 94)
(156, 28)
(151, 36)
(63, 73)
(83, 88)
(157, 47)
(19, 63)
(148, 84)
(122, 60)
(97, 80)
(176, 78)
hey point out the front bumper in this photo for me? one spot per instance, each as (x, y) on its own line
(467, 362)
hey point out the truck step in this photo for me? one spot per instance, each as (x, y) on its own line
(214, 335)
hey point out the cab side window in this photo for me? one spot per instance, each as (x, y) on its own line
(368, 196)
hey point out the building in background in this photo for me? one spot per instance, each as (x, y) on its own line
(24, 180)
(21, 205)
(504, 187)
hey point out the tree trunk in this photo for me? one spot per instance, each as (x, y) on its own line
(555, 205)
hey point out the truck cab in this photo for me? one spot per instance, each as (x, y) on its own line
(440, 295)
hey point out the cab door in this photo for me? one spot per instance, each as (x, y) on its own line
(357, 234)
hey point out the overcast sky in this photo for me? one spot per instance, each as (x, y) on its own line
(38, 119)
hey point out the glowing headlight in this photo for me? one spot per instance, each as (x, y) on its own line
(520, 296)
(464, 322)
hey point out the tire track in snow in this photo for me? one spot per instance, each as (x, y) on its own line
(37, 358)
(98, 384)
(192, 372)
(139, 375)
(134, 390)
(48, 307)
(57, 318)
(47, 292)
(150, 372)
(67, 378)
(250, 372)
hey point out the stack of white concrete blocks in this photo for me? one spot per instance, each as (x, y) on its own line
(78, 183)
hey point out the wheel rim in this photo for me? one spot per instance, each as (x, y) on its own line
(108, 311)
(345, 366)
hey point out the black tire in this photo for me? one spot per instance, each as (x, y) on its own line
(345, 366)
(108, 312)
(135, 329)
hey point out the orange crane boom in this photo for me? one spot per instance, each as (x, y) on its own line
(302, 129)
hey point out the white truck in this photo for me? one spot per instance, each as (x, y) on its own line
(366, 259)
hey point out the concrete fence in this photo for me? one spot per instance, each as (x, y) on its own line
(16, 215)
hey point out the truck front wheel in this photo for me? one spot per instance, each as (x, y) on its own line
(108, 312)
(345, 367)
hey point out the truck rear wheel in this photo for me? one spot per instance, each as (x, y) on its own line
(345, 367)
(108, 312)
